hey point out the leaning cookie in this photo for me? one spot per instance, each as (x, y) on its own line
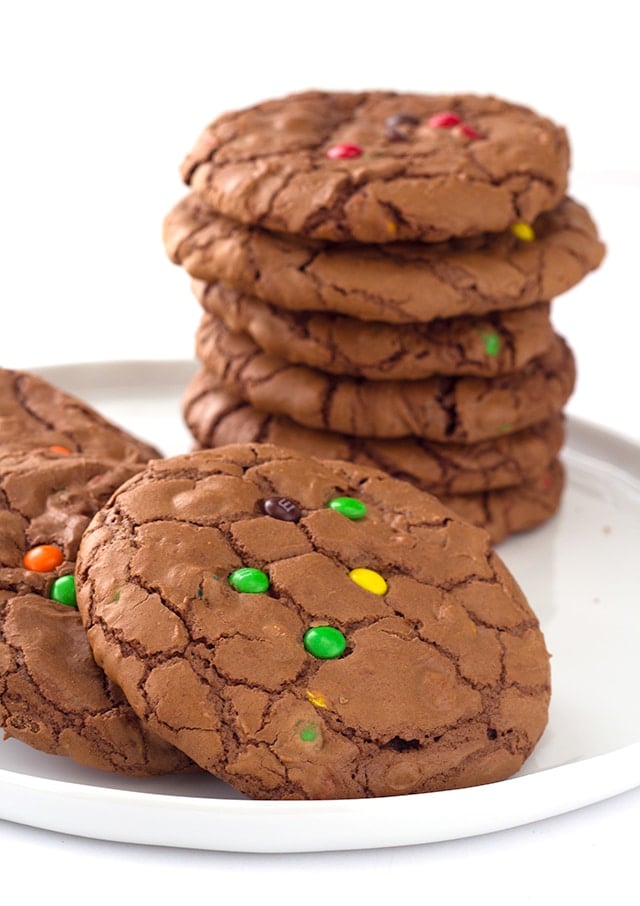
(34, 414)
(216, 417)
(395, 283)
(494, 344)
(445, 409)
(53, 697)
(380, 166)
(309, 629)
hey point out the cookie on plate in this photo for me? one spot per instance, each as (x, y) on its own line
(309, 629)
(35, 414)
(395, 283)
(53, 697)
(481, 346)
(380, 166)
(462, 409)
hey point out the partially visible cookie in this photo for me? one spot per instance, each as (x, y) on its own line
(36, 415)
(462, 409)
(48, 498)
(54, 698)
(396, 283)
(309, 629)
(380, 166)
(482, 346)
(516, 509)
(52, 695)
(216, 417)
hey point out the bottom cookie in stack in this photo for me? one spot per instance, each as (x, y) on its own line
(507, 485)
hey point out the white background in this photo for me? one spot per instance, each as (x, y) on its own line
(100, 102)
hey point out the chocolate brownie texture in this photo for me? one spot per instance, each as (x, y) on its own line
(34, 414)
(424, 670)
(373, 167)
(53, 697)
(49, 498)
(396, 283)
(216, 417)
(496, 343)
(462, 409)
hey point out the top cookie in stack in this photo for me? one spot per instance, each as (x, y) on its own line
(376, 271)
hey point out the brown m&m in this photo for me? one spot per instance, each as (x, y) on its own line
(282, 508)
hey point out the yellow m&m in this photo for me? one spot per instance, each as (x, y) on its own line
(369, 579)
(524, 231)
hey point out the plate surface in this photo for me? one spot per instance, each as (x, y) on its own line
(581, 573)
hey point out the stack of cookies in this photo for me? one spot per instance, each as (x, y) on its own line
(376, 272)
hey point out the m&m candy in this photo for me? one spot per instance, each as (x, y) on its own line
(325, 642)
(282, 508)
(350, 507)
(43, 558)
(524, 232)
(344, 151)
(63, 591)
(249, 580)
(444, 120)
(369, 579)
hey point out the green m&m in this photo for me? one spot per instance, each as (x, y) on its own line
(491, 342)
(63, 591)
(324, 642)
(249, 580)
(350, 507)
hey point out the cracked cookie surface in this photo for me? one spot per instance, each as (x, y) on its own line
(499, 343)
(35, 414)
(53, 697)
(505, 485)
(216, 417)
(460, 409)
(441, 675)
(396, 283)
(282, 165)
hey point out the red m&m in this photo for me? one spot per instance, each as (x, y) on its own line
(344, 151)
(444, 120)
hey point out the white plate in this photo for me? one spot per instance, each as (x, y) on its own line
(581, 573)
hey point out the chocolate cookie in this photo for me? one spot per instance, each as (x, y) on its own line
(396, 283)
(481, 346)
(380, 166)
(52, 695)
(217, 417)
(312, 629)
(48, 498)
(463, 409)
(509, 511)
(54, 698)
(35, 414)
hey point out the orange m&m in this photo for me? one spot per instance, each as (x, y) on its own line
(43, 558)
